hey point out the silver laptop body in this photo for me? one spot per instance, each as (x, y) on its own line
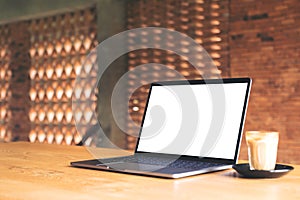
(189, 127)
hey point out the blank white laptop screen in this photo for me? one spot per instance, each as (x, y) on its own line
(196, 120)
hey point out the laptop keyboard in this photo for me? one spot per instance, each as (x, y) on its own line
(193, 164)
(167, 162)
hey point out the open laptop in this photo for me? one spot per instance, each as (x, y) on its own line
(189, 127)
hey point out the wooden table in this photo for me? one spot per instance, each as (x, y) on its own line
(42, 171)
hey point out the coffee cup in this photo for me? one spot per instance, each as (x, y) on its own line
(262, 149)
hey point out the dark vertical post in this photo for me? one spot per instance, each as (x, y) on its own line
(111, 19)
(20, 82)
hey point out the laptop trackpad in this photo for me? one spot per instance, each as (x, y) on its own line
(124, 166)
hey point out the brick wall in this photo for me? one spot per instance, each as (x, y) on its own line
(265, 45)
(19, 103)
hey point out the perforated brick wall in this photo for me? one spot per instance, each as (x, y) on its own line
(264, 44)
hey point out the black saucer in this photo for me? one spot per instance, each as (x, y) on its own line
(244, 170)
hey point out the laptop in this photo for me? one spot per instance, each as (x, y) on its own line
(189, 127)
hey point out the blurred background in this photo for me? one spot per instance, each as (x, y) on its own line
(43, 45)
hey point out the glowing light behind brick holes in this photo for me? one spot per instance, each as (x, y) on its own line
(205, 31)
(5, 76)
(56, 61)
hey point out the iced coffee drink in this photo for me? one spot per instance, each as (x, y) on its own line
(262, 149)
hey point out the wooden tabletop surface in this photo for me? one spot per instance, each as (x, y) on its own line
(42, 171)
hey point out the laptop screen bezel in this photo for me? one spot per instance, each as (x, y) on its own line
(201, 82)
